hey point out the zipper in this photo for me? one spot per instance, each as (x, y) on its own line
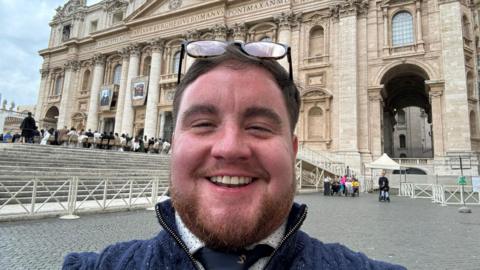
(288, 235)
(174, 235)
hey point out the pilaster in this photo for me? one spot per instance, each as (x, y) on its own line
(71, 67)
(375, 119)
(436, 93)
(220, 32)
(239, 31)
(42, 94)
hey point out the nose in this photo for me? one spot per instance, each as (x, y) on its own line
(231, 144)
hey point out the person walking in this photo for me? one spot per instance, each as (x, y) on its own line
(27, 127)
(326, 186)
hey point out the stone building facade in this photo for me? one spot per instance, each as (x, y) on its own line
(357, 62)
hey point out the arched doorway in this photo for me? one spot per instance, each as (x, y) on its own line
(51, 118)
(407, 113)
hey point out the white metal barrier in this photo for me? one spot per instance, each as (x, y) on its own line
(71, 195)
(442, 194)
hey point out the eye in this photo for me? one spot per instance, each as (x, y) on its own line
(259, 129)
(202, 124)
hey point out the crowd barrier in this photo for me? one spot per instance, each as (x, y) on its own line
(442, 194)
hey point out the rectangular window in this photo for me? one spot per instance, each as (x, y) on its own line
(117, 17)
(66, 32)
(93, 26)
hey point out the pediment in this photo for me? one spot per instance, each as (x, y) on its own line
(154, 8)
(317, 93)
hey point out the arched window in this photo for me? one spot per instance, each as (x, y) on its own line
(403, 141)
(176, 62)
(317, 42)
(470, 84)
(117, 74)
(401, 116)
(473, 124)
(146, 66)
(402, 29)
(315, 123)
(466, 28)
(58, 86)
(86, 80)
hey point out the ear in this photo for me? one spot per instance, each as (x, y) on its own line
(295, 145)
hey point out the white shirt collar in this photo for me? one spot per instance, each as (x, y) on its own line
(194, 243)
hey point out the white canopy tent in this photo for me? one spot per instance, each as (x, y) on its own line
(385, 163)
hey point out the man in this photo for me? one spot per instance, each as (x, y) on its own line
(28, 127)
(384, 188)
(232, 179)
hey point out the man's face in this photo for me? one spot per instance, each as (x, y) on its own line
(233, 157)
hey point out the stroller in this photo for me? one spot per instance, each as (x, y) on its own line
(335, 188)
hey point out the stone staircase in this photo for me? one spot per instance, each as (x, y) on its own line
(49, 171)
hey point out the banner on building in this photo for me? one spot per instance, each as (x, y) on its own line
(139, 91)
(106, 97)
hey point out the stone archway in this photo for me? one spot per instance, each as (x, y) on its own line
(51, 118)
(407, 113)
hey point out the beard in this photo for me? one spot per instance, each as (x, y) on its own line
(234, 231)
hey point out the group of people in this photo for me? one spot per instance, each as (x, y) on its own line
(344, 185)
(86, 139)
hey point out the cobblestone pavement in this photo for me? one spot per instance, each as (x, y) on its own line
(414, 233)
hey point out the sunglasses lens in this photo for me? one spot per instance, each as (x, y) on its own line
(206, 48)
(265, 49)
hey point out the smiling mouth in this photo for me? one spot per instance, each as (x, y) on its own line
(231, 181)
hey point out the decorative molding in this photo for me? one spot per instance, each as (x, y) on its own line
(467, 3)
(174, 4)
(115, 5)
(287, 20)
(124, 53)
(348, 8)
(73, 9)
(44, 72)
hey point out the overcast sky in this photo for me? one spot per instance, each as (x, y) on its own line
(24, 31)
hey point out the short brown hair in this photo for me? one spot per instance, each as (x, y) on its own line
(233, 54)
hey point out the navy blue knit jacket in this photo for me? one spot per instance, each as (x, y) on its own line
(167, 251)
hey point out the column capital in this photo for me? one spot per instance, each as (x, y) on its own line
(73, 65)
(284, 20)
(239, 31)
(44, 72)
(157, 45)
(375, 93)
(124, 53)
(99, 59)
(134, 49)
(192, 34)
(436, 87)
(219, 31)
(347, 8)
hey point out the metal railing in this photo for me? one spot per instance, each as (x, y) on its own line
(71, 195)
(442, 194)
(323, 161)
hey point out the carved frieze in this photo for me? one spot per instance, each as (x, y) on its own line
(114, 5)
(348, 8)
(73, 9)
(467, 3)
(220, 31)
(73, 65)
(99, 59)
(192, 34)
(174, 4)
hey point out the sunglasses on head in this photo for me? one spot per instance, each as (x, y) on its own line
(213, 48)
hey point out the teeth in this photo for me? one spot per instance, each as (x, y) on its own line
(231, 180)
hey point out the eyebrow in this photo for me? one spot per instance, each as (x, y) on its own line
(199, 109)
(263, 112)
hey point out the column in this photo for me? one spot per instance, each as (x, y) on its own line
(455, 100)
(153, 91)
(42, 93)
(97, 80)
(436, 92)
(375, 115)
(420, 42)
(133, 66)
(191, 35)
(121, 91)
(162, 125)
(71, 67)
(284, 34)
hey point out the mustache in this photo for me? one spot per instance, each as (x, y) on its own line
(255, 171)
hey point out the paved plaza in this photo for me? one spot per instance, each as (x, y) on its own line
(414, 233)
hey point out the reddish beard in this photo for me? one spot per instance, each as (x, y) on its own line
(235, 231)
